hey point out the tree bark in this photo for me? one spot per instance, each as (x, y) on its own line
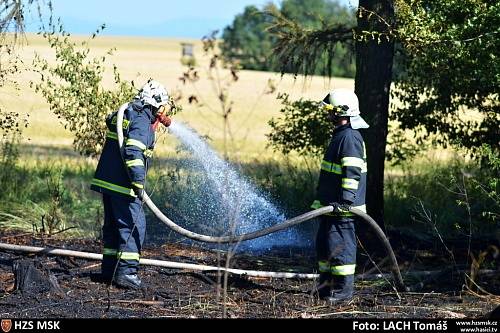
(374, 62)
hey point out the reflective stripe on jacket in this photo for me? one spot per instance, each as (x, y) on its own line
(139, 138)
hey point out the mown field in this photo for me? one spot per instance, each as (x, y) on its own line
(48, 179)
(141, 58)
(46, 145)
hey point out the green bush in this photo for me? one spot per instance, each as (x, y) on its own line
(303, 127)
(73, 88)
(456, 198)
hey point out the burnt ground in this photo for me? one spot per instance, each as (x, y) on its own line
(56, 287)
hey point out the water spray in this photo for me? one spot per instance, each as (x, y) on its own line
(230, 201)
(266, 231)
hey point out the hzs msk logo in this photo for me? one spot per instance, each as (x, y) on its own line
(6, 325)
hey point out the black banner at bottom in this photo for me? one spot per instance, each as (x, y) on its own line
(340, 325)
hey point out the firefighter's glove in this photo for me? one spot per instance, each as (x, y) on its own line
(138, 189)
(340, 207)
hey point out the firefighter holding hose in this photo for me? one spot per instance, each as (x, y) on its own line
(342, 184)
(122, 182)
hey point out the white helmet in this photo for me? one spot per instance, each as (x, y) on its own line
(154, 94)
(345, 103)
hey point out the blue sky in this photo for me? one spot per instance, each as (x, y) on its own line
(158, 18)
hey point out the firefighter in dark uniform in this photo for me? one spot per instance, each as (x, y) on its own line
(342, 184)
(122, 182)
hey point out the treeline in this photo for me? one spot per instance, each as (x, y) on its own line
(249, 41)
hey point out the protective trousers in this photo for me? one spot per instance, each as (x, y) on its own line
(336, 252)
(123, 231)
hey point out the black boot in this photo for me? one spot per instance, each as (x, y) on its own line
(322, 289)
(342, 289)
(340, 296)
(130, 281)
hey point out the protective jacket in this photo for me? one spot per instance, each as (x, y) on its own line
(111, 175)
(343, 171)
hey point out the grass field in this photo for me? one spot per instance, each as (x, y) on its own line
(141, 58)
(46, 152)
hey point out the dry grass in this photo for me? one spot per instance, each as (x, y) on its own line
(141, 58)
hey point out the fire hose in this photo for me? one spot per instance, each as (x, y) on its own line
(266, 231)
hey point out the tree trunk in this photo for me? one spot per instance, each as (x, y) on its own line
(373, 82)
